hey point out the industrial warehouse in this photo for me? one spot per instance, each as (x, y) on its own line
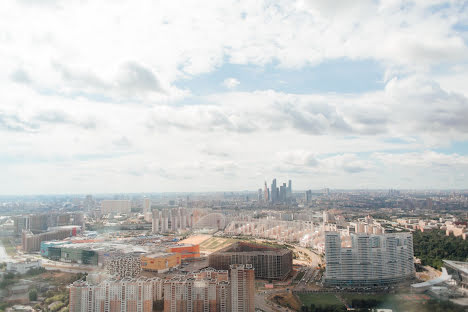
(268, 262)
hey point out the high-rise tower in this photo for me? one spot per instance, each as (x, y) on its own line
(242, 288)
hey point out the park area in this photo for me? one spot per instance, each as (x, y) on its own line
(196, 239)
(317, 302)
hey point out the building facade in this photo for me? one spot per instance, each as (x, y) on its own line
(119, 295)
(171, 220)
(207, 290)
(242, 287)
(160, 262)
(371, 261)
(186, 250)
(268, 262)
(32, 242)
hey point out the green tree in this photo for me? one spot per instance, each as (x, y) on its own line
(33, 295)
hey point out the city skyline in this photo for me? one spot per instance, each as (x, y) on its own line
(236, 155)
(368, 94)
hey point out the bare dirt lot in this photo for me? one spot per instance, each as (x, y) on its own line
(196, 239)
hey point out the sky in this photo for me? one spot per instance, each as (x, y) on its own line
(187, 96)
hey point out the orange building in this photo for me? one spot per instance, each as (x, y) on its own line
(160, 262)
(186, 250)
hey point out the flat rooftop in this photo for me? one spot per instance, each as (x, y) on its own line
(244, 247)
(457, 265)
(104, 246)
(158, 254)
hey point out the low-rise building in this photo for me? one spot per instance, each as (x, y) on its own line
(22, 267)
(160, 262)
(186, 250)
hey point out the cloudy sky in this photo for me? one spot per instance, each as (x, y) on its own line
(139, 96)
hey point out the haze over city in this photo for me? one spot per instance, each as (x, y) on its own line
(117, 96)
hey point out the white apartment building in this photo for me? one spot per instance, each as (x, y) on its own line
(171, 220)
(372, 260)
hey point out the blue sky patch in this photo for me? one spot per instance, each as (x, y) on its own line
(334, 76)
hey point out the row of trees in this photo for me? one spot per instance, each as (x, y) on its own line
(434, 246)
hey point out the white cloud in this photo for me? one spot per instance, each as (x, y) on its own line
(406, 108)
(169, 43)
(231, 83)
(426, 159)
(100, 104)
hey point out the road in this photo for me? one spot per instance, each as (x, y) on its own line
(314, 259)
(263, 304)
(68, 267)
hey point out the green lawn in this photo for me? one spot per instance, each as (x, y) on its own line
(319, 299)
(385, 300)
(380, 297)
(10, 249)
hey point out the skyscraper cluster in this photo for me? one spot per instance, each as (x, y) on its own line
(276, 194)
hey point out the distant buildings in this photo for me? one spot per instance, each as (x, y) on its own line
(115, 295)
(22, 267)
(212, 220)
(372, 260)
(308, 196)
(283, 231)
(146, 205)
(266, 193)
(458, 229)
(38, 223)
(277, 194)
(32, 242)
(171, 220)
(268, 262)
(116, 206)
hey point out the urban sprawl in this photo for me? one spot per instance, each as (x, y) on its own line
(274, 249)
